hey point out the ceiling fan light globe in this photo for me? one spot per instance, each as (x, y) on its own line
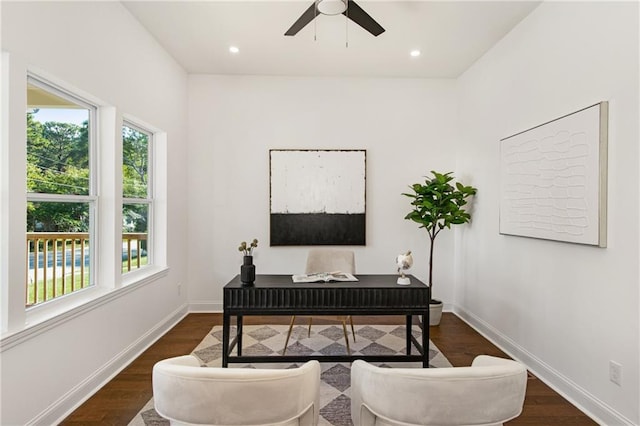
(331, 7)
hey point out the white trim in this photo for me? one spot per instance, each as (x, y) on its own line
(143, 275)
(13, 205)
(572, 392)
(52, 79)
(27, 333)
(60, 198)
(206, 306)
(67, 403)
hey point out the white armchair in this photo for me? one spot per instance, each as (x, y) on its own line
(490, 392)
(187, 394)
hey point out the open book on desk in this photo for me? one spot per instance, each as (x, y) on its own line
(323, 277)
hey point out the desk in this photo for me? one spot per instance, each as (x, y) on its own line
(370, 295)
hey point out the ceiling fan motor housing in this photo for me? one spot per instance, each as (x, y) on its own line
(331, 7)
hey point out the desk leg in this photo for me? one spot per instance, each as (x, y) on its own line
(226, 320)
(239, 321)
(409, 333)
(425, 339)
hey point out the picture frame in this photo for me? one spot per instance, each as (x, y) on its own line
(554, 179)
(317, 197)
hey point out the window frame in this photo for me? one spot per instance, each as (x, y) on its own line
(92, 198)
(149, 201)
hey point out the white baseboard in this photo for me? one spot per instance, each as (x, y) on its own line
(205, 306)
(586, 402)
(68, 402)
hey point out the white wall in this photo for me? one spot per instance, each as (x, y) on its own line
(565, 309)
(100, 49)
(406, 126)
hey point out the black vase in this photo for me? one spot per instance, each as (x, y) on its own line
(247, 271)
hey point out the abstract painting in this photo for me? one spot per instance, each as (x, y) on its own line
(317, 197)
(554, 179)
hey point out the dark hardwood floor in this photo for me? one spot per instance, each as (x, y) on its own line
(121, 399)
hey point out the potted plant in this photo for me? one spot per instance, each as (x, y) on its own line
(438, 204)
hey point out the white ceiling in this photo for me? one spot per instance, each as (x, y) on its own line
(451, 35)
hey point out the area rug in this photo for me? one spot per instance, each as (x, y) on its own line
(335, 384)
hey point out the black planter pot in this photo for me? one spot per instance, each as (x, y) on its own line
(247, 271)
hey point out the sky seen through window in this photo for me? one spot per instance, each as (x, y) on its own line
(62, 115)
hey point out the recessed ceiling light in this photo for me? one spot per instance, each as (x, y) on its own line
(415, 53)
(233, 49)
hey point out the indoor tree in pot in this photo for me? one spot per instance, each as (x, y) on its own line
(438, 204)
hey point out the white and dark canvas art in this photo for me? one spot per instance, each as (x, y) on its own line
(317, 197)
(554, 179)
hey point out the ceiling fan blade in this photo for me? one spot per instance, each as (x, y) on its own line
(303, 20)
(362, 18)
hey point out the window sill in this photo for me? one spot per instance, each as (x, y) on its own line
(43, 318)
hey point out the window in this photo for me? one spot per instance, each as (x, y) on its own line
(61, 194)
(137, 197)
(83, 207)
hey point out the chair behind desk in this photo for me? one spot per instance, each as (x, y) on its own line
(328, 260)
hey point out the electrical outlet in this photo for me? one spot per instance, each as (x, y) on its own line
(179, 289)
(615, 373)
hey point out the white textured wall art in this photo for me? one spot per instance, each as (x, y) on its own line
(553, 179)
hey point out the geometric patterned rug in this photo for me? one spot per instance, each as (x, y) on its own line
(325, 339)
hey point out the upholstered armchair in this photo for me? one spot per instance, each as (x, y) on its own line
(490, 392)
(328, 260)
(187, 394)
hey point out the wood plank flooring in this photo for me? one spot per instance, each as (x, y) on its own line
(123, 397)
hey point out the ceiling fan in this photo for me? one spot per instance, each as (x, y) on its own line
(349, 8)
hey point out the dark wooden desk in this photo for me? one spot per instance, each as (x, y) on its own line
(370, 295)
